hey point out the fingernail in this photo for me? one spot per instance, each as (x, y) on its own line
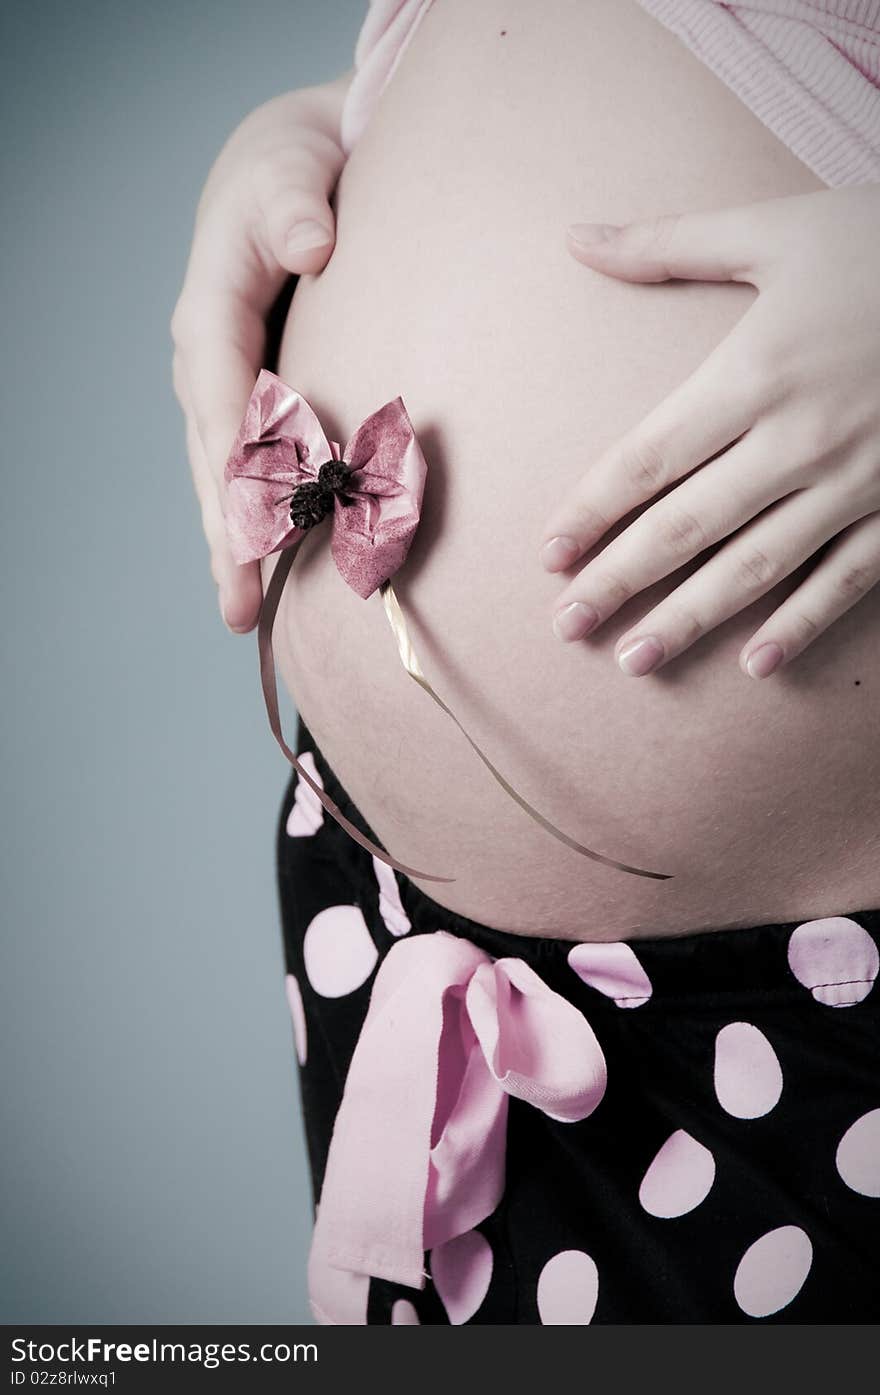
(559, 552)
(587, 234)
(641, 656)
(306, 235)
(763, 660)
(575, 620)
(236, 629)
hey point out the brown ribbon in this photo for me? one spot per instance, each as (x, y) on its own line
(410, 662)
(270, 693)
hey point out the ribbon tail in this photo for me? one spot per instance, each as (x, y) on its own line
(413, 667)
(371, 1213)
(268, 613)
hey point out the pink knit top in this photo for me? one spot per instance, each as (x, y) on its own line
(809, 69)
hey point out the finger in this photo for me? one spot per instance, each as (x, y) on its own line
(726, 244)
(703, 415)
(240, 587)
(178, 376)
(220, 357)
(237, 267)
(848, 571)
(293, 198)
(241, 595)
(712, 504)
(760, 556)
(219, 330)
(209, 505)
(240, 591)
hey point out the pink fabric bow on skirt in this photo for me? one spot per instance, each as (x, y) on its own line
(417, 1155)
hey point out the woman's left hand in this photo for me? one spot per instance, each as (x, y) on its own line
(775, 438)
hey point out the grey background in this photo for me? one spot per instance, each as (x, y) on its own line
(153, 1161)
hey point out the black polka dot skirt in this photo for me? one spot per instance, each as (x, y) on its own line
(669, 1131)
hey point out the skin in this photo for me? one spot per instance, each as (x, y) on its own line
(526, 375)
(264, 213)
(791, 452)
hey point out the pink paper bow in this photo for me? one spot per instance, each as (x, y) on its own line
(417, 1155)
(282, 478)
(375, 504)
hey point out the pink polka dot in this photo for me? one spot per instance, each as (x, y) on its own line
(390, 904)
(772, 1271)
(835, 958)
(462, 1270)
(614, 970)
(403, 1314)
(338, 950)
(568, 1290)
(307, 812)
(858, 1155)
(679, 1178)
(748, 1076)
(297, 1012)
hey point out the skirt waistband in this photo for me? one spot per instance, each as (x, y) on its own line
(833, 956)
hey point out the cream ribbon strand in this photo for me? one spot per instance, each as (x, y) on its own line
(410, 662)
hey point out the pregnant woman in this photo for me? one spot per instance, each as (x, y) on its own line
(644, 580)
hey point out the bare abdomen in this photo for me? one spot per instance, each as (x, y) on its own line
(451, 285)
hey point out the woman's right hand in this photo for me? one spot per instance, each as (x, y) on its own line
(263, 215)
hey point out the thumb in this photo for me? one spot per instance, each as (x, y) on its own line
(301, 231)
(729, 244)
(293, 204)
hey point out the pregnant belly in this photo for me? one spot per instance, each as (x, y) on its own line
(450, 285)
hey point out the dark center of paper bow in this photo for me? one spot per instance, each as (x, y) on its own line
(313, 500)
